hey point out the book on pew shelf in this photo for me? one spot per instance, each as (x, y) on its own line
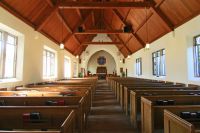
(164, 102)
(33, 117)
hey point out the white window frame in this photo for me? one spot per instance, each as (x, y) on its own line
(67, 67)
(138, 66)
(46, 74)
(196, 56)
(4, 36)
(159, 63)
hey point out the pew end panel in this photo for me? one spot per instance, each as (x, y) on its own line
(175, 124)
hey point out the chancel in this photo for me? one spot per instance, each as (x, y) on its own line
(99, 66)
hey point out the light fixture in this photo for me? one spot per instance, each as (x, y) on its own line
(120, 60)
(77, 56)
(128, 56)
(147, 47)
(62, 46)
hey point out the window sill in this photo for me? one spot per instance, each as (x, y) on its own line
(9, 80)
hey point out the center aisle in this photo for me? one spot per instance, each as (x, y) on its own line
(106, 115)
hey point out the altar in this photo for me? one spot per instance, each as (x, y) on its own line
(101, 72)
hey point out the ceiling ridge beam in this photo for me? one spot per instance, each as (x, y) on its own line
(125, 23)
(103, 5)
(162, 16)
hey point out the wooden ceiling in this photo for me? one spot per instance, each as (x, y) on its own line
(59, 20)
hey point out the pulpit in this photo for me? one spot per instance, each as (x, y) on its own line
(101, 72)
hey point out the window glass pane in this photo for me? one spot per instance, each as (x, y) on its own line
(198, 40)
(0, 36)
(11, 40)
(9, 61)
(48, 64)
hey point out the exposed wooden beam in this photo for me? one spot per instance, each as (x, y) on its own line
(77, 25)
(143, 23)
(81, 17)
(101, 43)
(103, 5)
(99, 31)
(125, 23)
(15, 13)
(47, 17)
(93, 18)
(118, 37)
(162, 16)
(49, 2)
(67, 26)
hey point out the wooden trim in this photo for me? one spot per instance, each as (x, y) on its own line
(102, 5)
(101, 43)
(102, 32)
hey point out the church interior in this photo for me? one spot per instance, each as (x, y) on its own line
(99, 66)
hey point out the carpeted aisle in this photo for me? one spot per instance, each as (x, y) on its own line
(106, 114)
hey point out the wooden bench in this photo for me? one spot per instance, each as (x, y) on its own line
(152, 114)
(57, 119)
(76, 103)
(135, 100)
(126, 97)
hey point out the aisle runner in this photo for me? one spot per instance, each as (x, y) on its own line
(106, 115)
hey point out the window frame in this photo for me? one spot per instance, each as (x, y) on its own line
(158, 56)
(4, 39)
(65, 70)
(47, 50)
(139, 69)
(196, 57)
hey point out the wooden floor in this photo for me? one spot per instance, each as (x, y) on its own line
(106, 115)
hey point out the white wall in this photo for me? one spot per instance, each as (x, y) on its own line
(92, 49)
(179, 56)
(33, 51)
(110, 62)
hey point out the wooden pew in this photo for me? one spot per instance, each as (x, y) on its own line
(60, 119)
(135, 100)
(126, 97)
(152, 114)
(75, 101)
(173, 123)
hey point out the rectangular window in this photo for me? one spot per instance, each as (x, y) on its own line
(197, 56)
(8, 55)
(158, 59)
(67, 68)
(49, 64)
(75, 69)
(139, 66)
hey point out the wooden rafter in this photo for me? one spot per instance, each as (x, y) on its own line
(101, 43)
(125, 23)
(100, 31)
(162, 16)
(143, 23)
(47, 17)
(77, 25)
(81, 17)
(103, 5)
(118, 37)
(93, 18)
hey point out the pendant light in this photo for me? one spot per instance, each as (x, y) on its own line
(62, 46)
(147, 39)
